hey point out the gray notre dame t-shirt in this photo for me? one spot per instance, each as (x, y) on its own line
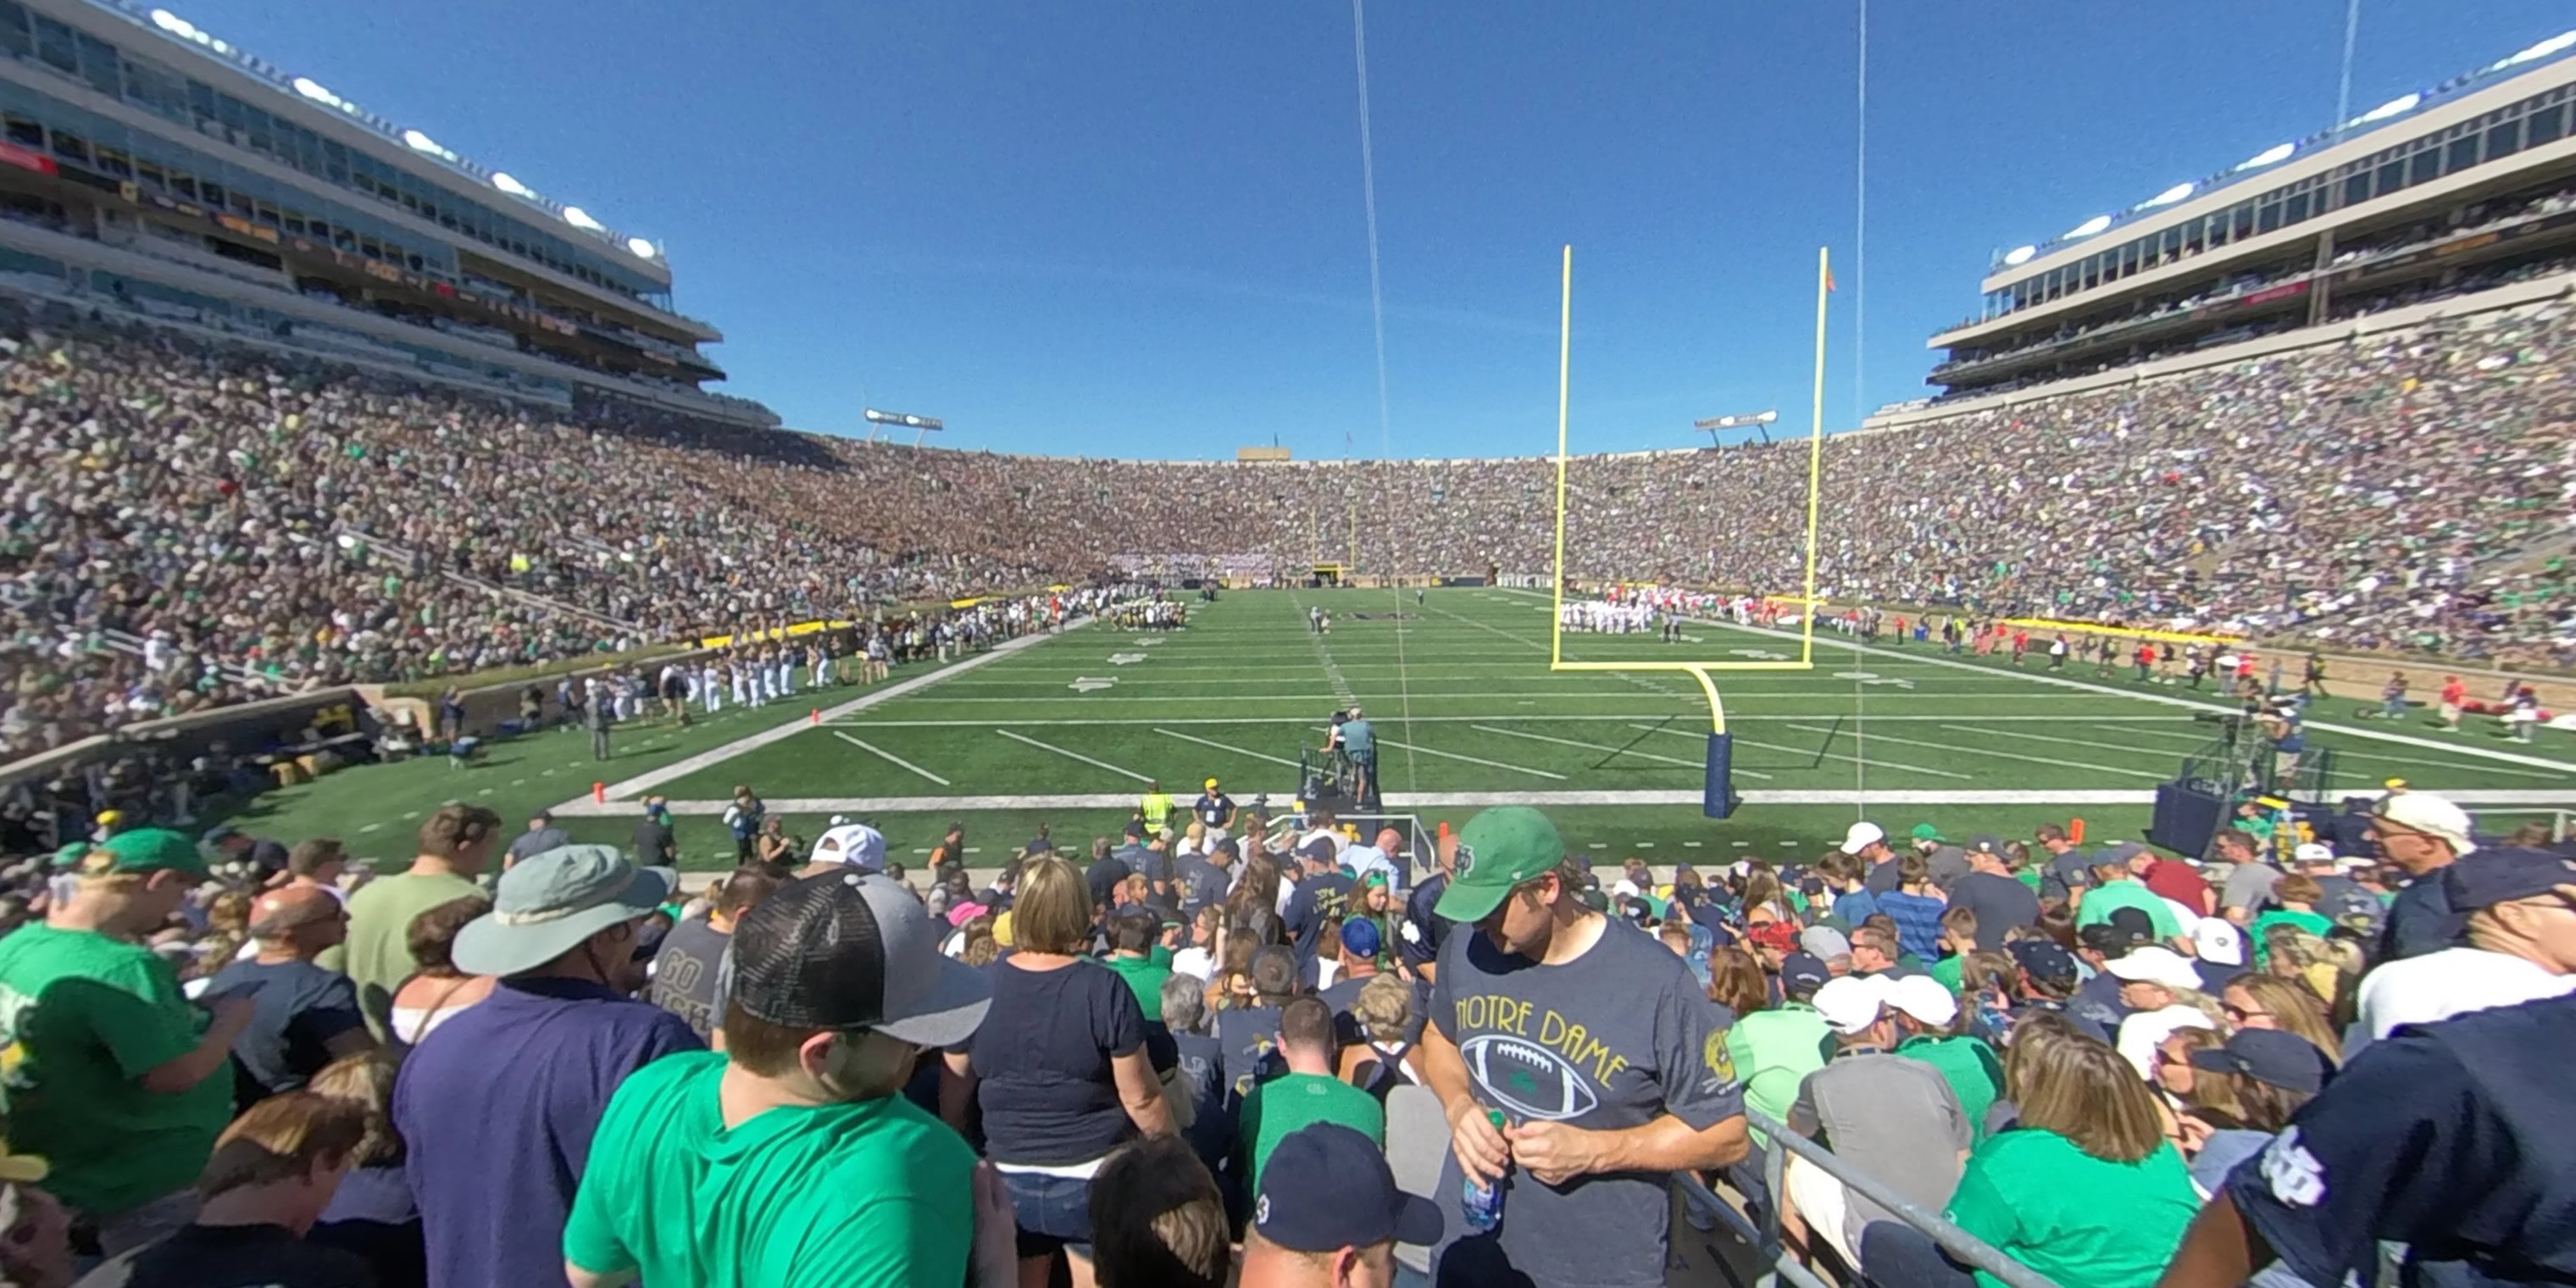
(684, 974)
(2249, 886)
(1611, 1040)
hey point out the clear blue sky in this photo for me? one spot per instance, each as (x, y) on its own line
(1129, 229)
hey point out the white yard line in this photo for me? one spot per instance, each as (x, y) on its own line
(2390, 758)
(1073, 755)
(1595, 746)
(1472, 760)
(2071, 742)
(1810, 751)
(1240, 751)
(2162, 699)
(1960, 750)
(891, 758)
(1519, 717)
(686, 766)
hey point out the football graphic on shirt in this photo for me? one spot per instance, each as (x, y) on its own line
(1527, 1078)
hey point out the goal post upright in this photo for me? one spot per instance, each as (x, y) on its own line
(1718, 797)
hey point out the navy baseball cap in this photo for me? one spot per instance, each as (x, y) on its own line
(2277, 1056)
(2043, 958)
(1360, 937)
(1802, 970)
(2489, 877)
(1325, 1188)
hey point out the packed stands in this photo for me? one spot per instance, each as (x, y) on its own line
(192, 522)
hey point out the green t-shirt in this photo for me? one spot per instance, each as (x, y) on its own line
(872, 1193)
(1971, 1068)
(1146, 977)
(2307, 921)
(2103, 900)
(83, 1017)
(1286, 1103)
(2071, 1216)
(2028, 877)
(1773, 1052)
(377, 957)
(1949, 971)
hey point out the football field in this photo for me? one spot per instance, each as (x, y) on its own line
(1070, 728)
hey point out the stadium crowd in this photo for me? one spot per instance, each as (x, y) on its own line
(1285, 1052)
(191, 522)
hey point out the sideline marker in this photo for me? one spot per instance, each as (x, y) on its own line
(599, 793)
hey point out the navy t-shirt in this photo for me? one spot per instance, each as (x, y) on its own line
(2420, 921)
(1157, 866)
(1041, 1059)
(297, 1008)
(1103, 878)
(1424, 931)
(1201, 883)
(2000, 903)
(1250, 1037)
(2435, 1137)
(1202, 1066)
(497, 1106)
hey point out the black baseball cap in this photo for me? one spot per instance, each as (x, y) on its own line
(1802, 972)
(1325, 1187)
(2277, 1056)
(853, 950)
(2486, 878)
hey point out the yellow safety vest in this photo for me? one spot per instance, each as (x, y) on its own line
(1157, 806)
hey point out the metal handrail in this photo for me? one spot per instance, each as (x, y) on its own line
(1958, 1243)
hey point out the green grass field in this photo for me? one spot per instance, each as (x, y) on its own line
(1067, 729)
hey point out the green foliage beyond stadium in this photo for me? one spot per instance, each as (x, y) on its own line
(1459, 690)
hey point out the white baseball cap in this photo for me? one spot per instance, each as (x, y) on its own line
(2431, 815)
(1861, 836)
(2217, 942)
(2313, 852)
(1849, 1004)
(2154, 964)
(1922, 997)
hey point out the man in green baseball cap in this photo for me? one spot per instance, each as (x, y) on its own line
(111, 1073)
(1595, 1047)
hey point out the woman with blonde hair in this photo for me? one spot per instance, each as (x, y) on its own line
(2086, 1191)
(1058, 1067)
(2279, 1002)
(2330, 968)
(372, 1213)
(2243, 1093)
(1381, 1058)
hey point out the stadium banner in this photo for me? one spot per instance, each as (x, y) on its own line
(773, 633)
(1462, 581)
(27, 159)
(2126, 632)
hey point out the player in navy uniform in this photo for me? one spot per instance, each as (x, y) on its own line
(2447, 1137)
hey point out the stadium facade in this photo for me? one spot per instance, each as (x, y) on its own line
(150, 165)
(2459, 189)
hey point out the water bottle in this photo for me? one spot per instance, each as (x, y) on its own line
(1482, 1205)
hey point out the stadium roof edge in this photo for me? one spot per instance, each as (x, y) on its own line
(2386, 115)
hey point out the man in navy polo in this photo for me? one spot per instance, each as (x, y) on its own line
(500, 1103)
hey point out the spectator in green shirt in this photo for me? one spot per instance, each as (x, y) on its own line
(1131, 956)
(1308, 1093)
(111, 1074)
(456, 843)
(1958, 939)
(2086, 1190)
(2297, 896)
(791, 1159)
(1775, 1048)
(2115, 887)
(1927, 1016)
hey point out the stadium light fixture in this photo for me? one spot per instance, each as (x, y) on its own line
(2020, 255)
(2555, 44)
(2393, 107)
(919, 425)
(580, 218)
(502, 181)
(2169, 196)
(641, 248)
(1755, 420)
(2089, 227)
(2273, 155)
